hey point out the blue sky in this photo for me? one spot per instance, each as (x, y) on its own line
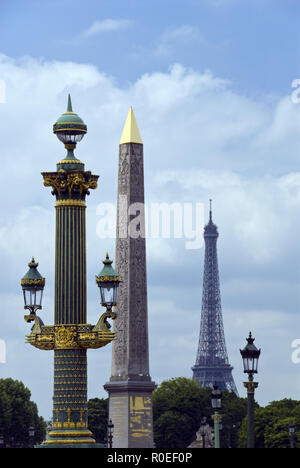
(210, 84)
(252, 43)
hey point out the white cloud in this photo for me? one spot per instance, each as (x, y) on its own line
(106, 25)
(181, 35)
(201, 141)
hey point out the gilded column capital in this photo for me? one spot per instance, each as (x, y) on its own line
(250, 386)
(217, 418)
(74, 185)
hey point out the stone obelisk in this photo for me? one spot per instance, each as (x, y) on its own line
(130, 387)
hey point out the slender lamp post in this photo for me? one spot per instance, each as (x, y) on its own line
(250, 355)
(203, 431)
(216, 403)
(110, 431)
(292, 434)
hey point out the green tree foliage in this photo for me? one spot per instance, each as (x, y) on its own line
(98, 417)
(271, 425)
(17, 414)
(178, 407)
(233, 413)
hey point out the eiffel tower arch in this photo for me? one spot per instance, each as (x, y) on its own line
(212, 364)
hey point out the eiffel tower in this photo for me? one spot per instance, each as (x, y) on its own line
(212, 365)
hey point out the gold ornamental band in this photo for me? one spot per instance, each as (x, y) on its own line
(69, 161)
(85, 433)
(70, 441)
(70, 203)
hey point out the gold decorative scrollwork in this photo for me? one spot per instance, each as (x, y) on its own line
(69, 336)
(70, 182)
(103, 324)
(65, 338)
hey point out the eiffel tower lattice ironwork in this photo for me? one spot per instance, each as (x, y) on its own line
(212, 365)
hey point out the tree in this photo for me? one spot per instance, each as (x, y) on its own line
(178, 407)
(271, 425)
(233, 412)
(98, 417)
(17, 414)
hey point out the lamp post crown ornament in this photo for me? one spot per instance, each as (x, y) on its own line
(70, 129)
(107, 273)
(33, 277)
(70, 183)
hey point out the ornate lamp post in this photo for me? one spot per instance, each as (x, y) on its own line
(216, 403)
(110, 431)
(250, 355)
(71, 335)
(292, 434)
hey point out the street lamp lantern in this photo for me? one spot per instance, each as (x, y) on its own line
(108, 282)
(33, 286)
(69, 127)
(250, 355)
(31, 434)
(291, 428)
(216, 398)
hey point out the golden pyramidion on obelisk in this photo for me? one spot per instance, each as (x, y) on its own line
(131, 133)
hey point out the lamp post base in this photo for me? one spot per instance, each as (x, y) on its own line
(69, 438)
(71, 445)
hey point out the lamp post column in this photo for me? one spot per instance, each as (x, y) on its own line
(251, 386)
(217, 418)
(216, 403)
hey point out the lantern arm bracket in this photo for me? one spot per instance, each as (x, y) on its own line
(38, 323)
(103, 324)
(69, 336)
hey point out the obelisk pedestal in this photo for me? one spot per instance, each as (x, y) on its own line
(130, 387)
